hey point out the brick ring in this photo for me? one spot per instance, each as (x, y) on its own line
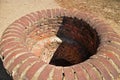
(60, 44)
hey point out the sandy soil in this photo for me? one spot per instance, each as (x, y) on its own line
(10, 10)
(109, 9)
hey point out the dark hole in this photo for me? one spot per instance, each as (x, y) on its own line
(79, 42)
(3, 73)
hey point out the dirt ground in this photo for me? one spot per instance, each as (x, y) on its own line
(109, 9)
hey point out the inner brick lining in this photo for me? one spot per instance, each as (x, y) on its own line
(67, 41)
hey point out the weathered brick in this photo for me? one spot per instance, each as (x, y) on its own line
(100, 68)
(69, 74)
(110, 48)
(94, 75)
(19, 60)
(33, 69)
(5, 53)
(13, 35)
(49, 14)
(108, 66)
(9, 45)
(44, 75)
(58, 74)
(26, 64)
(112, 56)
(81, 75)
(26, 21)
(12, 55)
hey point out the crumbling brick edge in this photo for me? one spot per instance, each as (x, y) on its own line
(23, 65)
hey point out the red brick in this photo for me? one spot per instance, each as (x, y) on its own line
(92, 73)
(11, 55)
(36, 16)
(18, 25)
(33, 69)
(112, 56)
(57, 12)
(7, 41)
(14, 28)
(98, 22)
(5, 53)
(107, 37)
(104, 29)
(69, 74)
(100, 68)
(9, 45)
(53, 13)
(44, 14)
(108, 66)
(27, 64)
(39, 14)
(49, 14)
(110, 48)
(13, 35)
(81, 75)
(58, 74)
(14, 32)
(44, 75)
(18, 60)
(25, 21)
(18, 22)
(62, 12)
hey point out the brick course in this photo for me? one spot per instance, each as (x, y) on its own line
(17, 56)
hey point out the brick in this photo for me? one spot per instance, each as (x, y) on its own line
(14, 28)
(26, 21)
(49, 14)
(13, 35)
(58, 74)
(69, 74)
(13, 32)
(44, 75)
(108, 66)
(112, 56)
(94, 75)
(53, 13)
(17, 25)
(36, 16)
(7, 40)
(107, 38)
(44, 14)
(5, 53)
(9, 45)
(39, 14)
(21, 24)
(110, 48)
(104, 29)
(100, 68)
(57, 12)
(26, 64)
(81, 75)
(33, 69)
(13, 54)
(62, 12)
(18, 60)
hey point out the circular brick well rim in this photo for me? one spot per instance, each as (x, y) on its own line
(22, 64)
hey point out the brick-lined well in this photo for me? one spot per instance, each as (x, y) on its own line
(60, 44)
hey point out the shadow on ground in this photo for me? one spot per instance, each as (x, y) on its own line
(3, 73)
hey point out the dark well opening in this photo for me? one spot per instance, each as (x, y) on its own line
(79, 42)
(63, 41)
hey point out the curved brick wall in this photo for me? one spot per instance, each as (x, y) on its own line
(22, 56)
